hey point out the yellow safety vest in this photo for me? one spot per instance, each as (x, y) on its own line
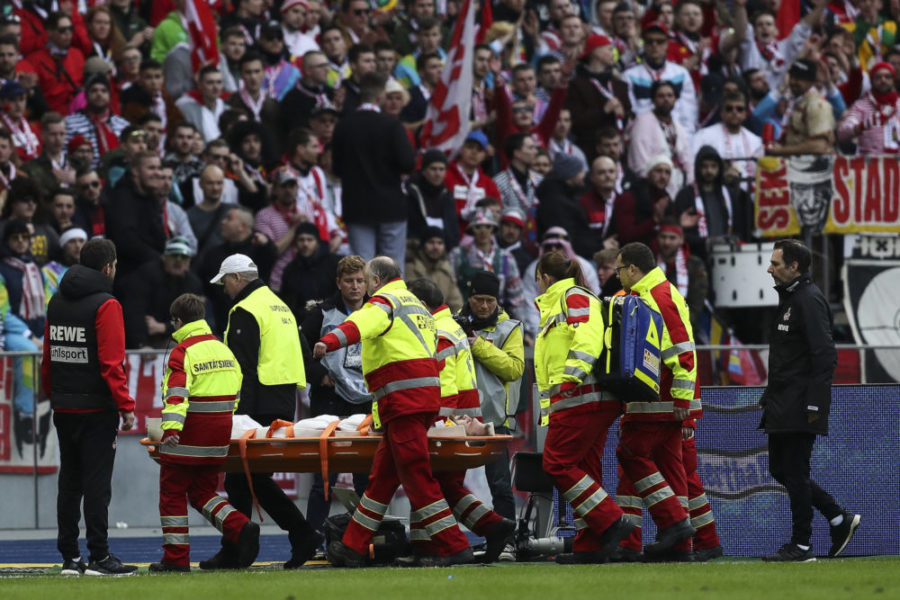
(458, 375)
(280, 356)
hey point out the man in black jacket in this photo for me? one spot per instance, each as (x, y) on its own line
(797, 400)
(371, 152)
(336, 381)
(559, 207)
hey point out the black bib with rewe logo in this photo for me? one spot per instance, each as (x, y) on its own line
(74, 364)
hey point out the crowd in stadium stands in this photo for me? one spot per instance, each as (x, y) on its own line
(592, 124)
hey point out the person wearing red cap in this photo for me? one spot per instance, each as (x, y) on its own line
(654, 67)
(874, 119)
(597, 96)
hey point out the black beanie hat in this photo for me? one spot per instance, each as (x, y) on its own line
(485, 283)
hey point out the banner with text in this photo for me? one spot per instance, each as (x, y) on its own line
(828, 194)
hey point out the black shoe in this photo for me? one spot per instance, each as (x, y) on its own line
(671, 556)
(670, 536)
(162, 567)
(843, 533)
(109, 567)
(705, 554)
(463, 557)
(626, 555)
(73, 567)
(305, 551)
(791, 553)
(339, 555)
(224, 560)
(614, 534)
(581, 558)
(496, 540)
(248, 545)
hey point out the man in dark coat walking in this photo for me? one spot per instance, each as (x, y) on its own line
(797, 400)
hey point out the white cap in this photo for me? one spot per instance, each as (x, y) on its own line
(73, 233)
(236, 263)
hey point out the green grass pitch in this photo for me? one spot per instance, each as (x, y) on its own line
(852, 578)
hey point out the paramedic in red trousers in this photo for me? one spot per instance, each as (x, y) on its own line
(797, 400)
(578, 414)
(83, 373)
(459, 400)
(196, 423)
(265, 339)
(398, 359)
(652, 472)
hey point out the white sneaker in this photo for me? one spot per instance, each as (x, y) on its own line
(508, 554)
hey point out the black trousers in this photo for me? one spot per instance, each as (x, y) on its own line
(789, 455)
(500, 482)
(318, 508)
(271, 498)
(87, 451)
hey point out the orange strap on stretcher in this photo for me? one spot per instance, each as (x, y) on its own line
(323, 454)
(242, 444)
(366, 425)
(277, 424)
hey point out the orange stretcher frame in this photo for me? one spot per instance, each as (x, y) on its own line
(351, 454)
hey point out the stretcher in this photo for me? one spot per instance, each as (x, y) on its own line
(348, 454)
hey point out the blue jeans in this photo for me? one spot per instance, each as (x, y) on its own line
(379, 239)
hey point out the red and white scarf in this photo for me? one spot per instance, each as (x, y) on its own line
(526, 199)
(702, 227)
(106, 138)
(681, 270)
(26, 142)
(255, 106)
(32, 304)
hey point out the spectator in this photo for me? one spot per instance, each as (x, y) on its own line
(235, 189)
(659, 132)
(181, 156)
(70, 241)
(410, 69)
(203, 107)
(482, 253)
(279, 221)
(248, 17)
(254, 96)
(362, 61)
(149, 95)
(428, 67)
(62, 209)
(385, 59)
(683, 270)
(239, 238)
(597, 97)
(430, 203)
(21, 280)
(207, 215)
(762, 49)
(370, 153)
(482, 93)
(58, 65)
(133, 218)
(604, 16)
(293, 28)
(96, 122)
(150, 294)
(605, 260)
(809, 116)
(559, 205)
(517, 116)
(542, 163)
(89, 211)
(354, 20)
(512, 226)
(874, 119)
(335, 48)
(303, 154)
(731, 139)
(560, 143)
(8, 171)
(130, 25)
(655, 68)
(549, 71)
(152, 126)
(22, 205)
(518, 183)
(639, 210)
(408, 30)
(12, 114)
(610, 143)
(51, 168)
(128, 68)
(310, 275)
(115, 164)
(873, 33)
(558, 10)
(10, 63)
(466, 180)
(281, 75)
(626, 35)
(169, 33)
(312, 88)
(429, 261)
(231, 50)
(323, 121)
(175, 219)
(396, 99)
(599, 201)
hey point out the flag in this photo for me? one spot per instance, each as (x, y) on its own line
(201, 29)
(487, 19)
(447, 119)
(788, 16)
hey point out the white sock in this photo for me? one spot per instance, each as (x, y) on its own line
(77, 559)
(804, 548)
(837, 520)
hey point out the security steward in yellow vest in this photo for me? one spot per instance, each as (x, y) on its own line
(398, 360)
(459, 398)
(264, 337)
(199, 395)
(568, 344)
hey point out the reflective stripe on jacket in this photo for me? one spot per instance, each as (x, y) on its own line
(459, 390)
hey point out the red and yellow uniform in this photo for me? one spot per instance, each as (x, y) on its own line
(399, 341)
(578, 413)
(200, 393)
(651, 469)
